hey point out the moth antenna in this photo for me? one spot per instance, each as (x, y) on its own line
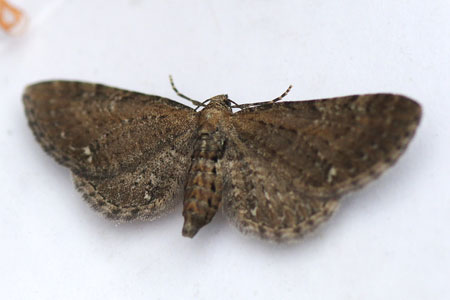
(282, 95)
(195, 102)
(201, 104)
(242, 106)
(235, 104)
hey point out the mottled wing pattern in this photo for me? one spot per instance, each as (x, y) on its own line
(146, 192)
(288, 163)
(111, 139)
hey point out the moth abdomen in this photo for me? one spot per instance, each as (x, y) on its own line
(203, 191)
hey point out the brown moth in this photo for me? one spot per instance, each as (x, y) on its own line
(278, 169)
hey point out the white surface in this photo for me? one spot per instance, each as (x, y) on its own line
(390, 240)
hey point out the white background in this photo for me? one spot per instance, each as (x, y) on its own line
(390, 240)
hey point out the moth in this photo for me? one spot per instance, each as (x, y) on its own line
(277, 169)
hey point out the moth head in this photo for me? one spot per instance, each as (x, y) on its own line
(220, 101)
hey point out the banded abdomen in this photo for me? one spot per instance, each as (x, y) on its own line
(203, 191)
